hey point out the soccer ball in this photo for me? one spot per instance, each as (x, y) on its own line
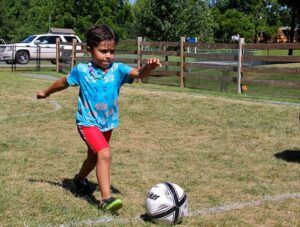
(166, 203)
(244, 88)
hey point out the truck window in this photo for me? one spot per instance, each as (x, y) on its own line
(52, 39)
(70, 38)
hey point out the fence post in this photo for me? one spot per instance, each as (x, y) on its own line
(240, 56)
(166, 57)
(139, 60)
(13, 59)
(182, 59)
(38, 59)
(139, 56)
(57, 54)
(73, 54)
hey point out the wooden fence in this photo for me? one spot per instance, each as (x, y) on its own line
(190, 60)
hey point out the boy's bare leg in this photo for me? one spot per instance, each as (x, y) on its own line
(88, 165)
(103, 171)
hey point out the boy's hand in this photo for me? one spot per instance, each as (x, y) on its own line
(58, 85)
(41, 95)
(150, 65)
(153, 63)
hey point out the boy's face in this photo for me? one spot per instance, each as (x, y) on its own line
(103, 54)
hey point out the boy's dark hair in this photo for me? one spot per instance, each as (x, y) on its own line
(99, 33)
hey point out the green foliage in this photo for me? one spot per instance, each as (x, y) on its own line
(257, 16)
(167, 20)
(170, 19)
(234, 22)
(21, 18)
(25, 17)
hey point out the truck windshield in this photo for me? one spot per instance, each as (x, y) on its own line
(28, 39)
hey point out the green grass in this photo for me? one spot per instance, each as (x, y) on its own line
(220, 149)
(255, 91)
(274, 52)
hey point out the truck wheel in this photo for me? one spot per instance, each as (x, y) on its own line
(22, 57)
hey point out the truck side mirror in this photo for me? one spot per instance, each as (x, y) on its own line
(37, 42)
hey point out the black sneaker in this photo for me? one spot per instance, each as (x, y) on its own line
(81, 186)
(111, 204)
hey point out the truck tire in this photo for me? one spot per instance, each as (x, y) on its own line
(22, 57)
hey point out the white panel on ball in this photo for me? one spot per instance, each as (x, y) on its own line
(167, 203)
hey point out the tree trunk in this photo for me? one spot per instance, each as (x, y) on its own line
(292, 32)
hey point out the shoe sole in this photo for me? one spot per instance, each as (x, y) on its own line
(114, 206)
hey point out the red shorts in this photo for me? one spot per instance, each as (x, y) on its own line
(94, 138)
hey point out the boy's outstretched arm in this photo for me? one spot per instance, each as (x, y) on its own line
(58, 85)
(151, 64)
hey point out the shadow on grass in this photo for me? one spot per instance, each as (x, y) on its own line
(289, 155)
(146, 218)
(67, 185)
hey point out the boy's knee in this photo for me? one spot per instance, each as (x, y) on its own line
(104, 155)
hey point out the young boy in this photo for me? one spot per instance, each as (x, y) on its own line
(97, 115)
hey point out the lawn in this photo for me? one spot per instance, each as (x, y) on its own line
(237, 160)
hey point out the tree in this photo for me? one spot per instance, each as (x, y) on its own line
(21, 18)
(258, 16)
(169, 19)
(81, 14)
(294, 7)
(233, 22)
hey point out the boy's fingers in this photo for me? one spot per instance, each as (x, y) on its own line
(154, 61)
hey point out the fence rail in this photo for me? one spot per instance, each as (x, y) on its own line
(188, 60)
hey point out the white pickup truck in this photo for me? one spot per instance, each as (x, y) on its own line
(41, 47)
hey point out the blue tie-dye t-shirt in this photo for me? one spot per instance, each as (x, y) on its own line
(98, 94)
